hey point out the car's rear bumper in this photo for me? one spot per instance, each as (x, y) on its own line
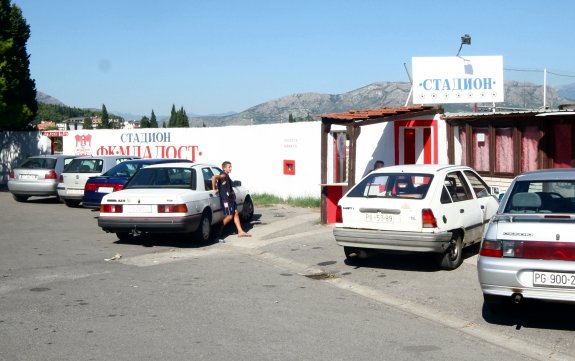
(32, 188)
(150, 224)
(506, 276)
(392, 240)
(71, 193)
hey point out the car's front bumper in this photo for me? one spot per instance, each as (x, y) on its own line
(392, 240)
(150, 224)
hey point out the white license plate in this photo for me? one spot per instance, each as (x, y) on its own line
(75, 191)
(28, 176)
(137, 208)
(553, 279)
(105, 189)
(379, 217)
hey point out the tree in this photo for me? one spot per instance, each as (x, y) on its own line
(105, 119)
(183, 120)
(87, 123)
(173, 117)
(18, 105)
(153, 120)
(145, 122)
(290, 119)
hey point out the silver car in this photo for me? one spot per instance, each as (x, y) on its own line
(528, 250)
(75, 175)
(37, 176)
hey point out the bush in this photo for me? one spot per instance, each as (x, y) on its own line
(267, 200)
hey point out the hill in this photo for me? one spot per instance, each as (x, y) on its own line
(518, 95)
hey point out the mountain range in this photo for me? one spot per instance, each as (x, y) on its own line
(518, 95)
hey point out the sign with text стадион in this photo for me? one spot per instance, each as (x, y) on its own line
(470, 79)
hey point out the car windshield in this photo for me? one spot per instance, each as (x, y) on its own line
(124, 169)
(81, 165)
(39, 163)
(535, 197)
(163, 178)
(393, 185)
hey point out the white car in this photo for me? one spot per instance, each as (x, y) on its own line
(73, 178)
(416, 208)
(529, 248)
(169, 198)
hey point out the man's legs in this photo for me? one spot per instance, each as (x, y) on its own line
(241, 232)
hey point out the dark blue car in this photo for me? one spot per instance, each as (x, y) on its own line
(116, 178)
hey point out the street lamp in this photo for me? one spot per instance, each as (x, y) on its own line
(465, 39)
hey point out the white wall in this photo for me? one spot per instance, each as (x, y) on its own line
(16, 146)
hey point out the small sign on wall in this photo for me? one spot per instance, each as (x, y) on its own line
(289, 167)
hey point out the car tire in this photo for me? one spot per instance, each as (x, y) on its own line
(452, 258)
(71, 203)
(20, 198)
(204, 232)
(124, 236)
(247, 210)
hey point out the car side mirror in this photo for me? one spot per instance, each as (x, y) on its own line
(494, 191)
(237, 183)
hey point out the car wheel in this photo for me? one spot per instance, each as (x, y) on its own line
(247, 210)
(124, 236)
(71, 203)
(20, 198)
(204, 231)
(452, 257)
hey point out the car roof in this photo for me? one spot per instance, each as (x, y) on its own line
(181, 165)
(157, 160)
(53, 156)
(421, 168)
(548, 174)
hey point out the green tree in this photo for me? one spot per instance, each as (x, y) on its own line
(153, 120)
(145, 122)
(173, 117)
(18, 105)
(87, 123)
(290, 118)
(105, 119)
(183, 120)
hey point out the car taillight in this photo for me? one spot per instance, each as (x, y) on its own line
(11, 176)
(172, 208)
(95, 186)
(51, 174)
(61, 180)
(90, 186)
(428, 219)
(338, 215)
(491, 248)
(111, 208)
(562, 251)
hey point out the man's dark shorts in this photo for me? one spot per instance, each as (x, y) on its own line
(229, 208)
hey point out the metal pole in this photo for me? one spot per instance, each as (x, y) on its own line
(544, 88)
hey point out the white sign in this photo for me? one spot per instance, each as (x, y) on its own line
(471, 79)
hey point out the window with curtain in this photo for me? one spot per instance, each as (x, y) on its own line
(530, 148)
(480, 148)
(504, 150)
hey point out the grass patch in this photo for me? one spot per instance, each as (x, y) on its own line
(268, 200)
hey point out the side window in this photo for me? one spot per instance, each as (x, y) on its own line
(479, 187)
(456, 187)
(207, 174)
(445, 197)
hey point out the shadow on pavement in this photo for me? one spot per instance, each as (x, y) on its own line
(532, 314)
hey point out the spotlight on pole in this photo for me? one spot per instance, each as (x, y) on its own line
(465, 39)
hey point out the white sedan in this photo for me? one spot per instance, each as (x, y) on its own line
(416, 208)
(169, 198)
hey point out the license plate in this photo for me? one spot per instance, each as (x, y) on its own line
(28, 176)
(105, 189)
(379, 217)
(75, 191)
(137, 208)
(553, 279)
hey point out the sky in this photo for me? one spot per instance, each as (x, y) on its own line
(213, 57)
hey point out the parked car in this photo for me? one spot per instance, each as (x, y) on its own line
(529, 248)
(115, 179)
(416, 208)
(37, 176)
(169, 198)
(74, 177)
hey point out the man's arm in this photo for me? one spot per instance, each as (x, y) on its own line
(214, 181)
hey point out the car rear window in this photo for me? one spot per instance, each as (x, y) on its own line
(163, 178)
(393, 185)
(39, 163)
(85, 166)
(541, 197)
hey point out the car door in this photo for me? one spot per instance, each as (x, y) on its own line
(206, 183)
(486, 201)
(460, 208)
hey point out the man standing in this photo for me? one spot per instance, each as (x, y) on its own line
(222, 184)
